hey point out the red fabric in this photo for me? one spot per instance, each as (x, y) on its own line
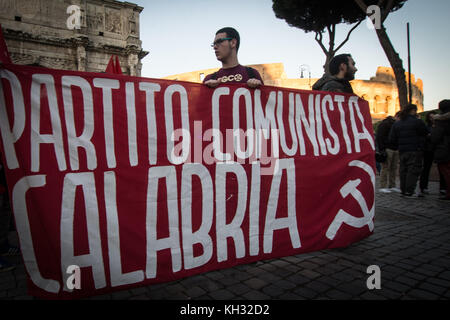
(4, 54)
(102, 171)
(113, 66)
(118, 68)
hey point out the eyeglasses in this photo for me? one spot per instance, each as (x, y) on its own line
(219, 41)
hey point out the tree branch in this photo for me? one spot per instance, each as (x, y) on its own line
(319, 41)
(362, 5)
(348, 35)
(331, 34)
(387, 10)
(384, 13)
(329, 29)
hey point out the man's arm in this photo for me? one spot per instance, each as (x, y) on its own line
(423, 130)
(445, 116)
(393, 140)
(254, 83)
(381, 134)
(210, 82)
(255, 79)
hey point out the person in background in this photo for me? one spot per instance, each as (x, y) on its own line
(443, 116)
(226, 46)
(389, 167)
(377, 164)
(342, 71)
(442, 183)
(427, 156)
(440, 138)
(408, 134)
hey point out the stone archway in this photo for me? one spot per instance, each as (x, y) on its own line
(388, 104)
(378, 104)
(370, 101)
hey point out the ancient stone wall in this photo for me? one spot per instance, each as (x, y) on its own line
(37, 33)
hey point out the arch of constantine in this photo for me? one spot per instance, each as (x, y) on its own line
(37, 33)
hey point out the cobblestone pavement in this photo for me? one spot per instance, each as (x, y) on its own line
(410, 244)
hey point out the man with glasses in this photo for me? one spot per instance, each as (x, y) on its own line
(226, 45)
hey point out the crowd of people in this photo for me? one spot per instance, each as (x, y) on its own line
(413, 145)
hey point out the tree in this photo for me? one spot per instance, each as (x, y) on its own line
(386, 7)
(319, 17)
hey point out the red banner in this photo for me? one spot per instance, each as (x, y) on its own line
(119, 181)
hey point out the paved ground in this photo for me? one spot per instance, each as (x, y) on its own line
(411, 245)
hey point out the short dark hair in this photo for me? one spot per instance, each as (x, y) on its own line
(405, 112)
(231, 33)
(444, 106)
(336, 62)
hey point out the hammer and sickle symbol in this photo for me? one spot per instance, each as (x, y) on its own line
(350, 188)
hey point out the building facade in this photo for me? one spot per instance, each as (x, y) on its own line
(73, 34)
(380, 91)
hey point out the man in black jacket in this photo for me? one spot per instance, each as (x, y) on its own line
(342, 70)
(388, 167)
(409, 135)
(440, 138)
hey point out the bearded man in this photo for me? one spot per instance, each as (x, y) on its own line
(342, 71)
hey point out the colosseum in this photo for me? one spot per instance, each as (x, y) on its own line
(380, 91)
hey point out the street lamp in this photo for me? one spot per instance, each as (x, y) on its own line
(306, 67)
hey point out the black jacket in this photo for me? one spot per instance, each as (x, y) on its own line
(333, 84)
(382, 136)
(408, 134)
(440, 138)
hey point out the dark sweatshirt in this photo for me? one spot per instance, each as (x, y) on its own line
(333, 84)
(408, 134)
